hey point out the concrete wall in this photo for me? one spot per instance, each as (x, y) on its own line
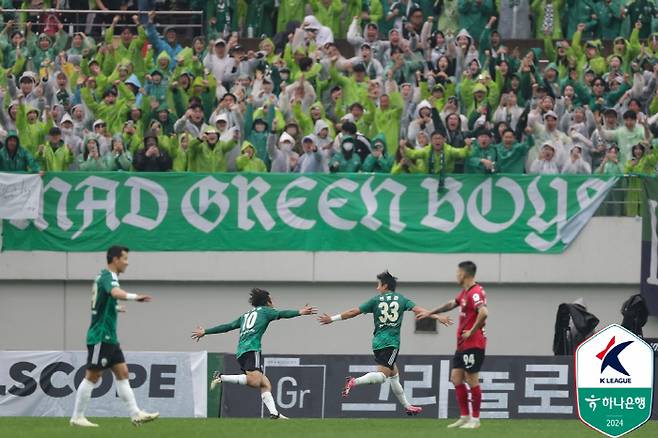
(45, 297)
(51, 316)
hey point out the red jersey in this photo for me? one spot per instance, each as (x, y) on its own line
(469, 302)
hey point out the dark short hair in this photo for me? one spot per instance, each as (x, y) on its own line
(509, 130)
(388, 279)
(630, 115)
(438, 133)
(115, 251)
(349, 127)
(468, 267)
(259, 297)
(305, 63)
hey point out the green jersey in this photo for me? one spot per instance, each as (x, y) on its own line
(387, 310)
(252, 327)
(103, 327)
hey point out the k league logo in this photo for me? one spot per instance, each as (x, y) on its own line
(610, 358)
(614, 381)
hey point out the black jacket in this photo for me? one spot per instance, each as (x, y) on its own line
(158, 163)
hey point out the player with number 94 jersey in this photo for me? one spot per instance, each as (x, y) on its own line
(471, 344)
(470, 300)
(252, 326)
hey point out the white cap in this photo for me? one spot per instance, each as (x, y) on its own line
(550, 114)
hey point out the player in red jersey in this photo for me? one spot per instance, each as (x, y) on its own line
(471, 343)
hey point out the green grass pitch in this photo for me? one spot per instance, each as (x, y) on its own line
(312, 428)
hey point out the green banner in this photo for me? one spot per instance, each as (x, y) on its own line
(289, 212)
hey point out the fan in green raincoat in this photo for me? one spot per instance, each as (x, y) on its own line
(547, 16)
(129, 47)
(54, 156)
(11, 42)
(610, 15)
(31, 131)
(260, 18)
(221, 16)
(483, 156)
(14, 158)
(581, 12)
(590, 57)
(208, 153)
(42, 50)
(307, 120)
(387, 118)
(156, 87)
(116, 103)
(248, 161)
(257, 129)
(289, 10)
(474, 15)
(512, 154)
(379, 161)
(437, 157)
(91, 160)
(328, 13)
(642, 163)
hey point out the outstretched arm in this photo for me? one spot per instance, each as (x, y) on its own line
(120, 294)
(306, 310)
(348, 314)
(200, 332)
(445, 308)
(420, 313)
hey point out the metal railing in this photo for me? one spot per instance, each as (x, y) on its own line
(622, 200)
(90, 15)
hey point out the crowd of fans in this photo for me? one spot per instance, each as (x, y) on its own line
(432, 88)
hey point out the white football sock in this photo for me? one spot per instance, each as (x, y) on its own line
(398, 390)
(127, 395)
(268, 400)
(82, 398)
(370, 378)
(240, 379)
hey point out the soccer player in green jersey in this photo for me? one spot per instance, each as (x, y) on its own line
(387, 308)
(252, 326)
(103, 349)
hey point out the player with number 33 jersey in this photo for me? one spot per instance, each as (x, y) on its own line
(387, 309)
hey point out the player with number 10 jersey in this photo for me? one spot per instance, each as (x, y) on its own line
(252, 326)
(387, 309)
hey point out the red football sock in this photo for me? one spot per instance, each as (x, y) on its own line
(476, 400)
(461, 392)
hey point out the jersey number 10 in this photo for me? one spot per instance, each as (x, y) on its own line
(389, 311)
(249, 320)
